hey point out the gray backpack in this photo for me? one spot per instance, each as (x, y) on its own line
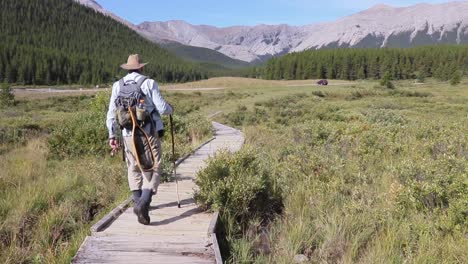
(127, 102)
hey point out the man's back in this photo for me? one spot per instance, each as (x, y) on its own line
(154, 101)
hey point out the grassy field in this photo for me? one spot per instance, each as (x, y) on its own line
(348, 173)
(57, 177)
(363, 174)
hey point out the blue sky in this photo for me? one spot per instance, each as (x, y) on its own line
(243, 12)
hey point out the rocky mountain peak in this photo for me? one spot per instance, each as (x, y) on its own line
(91, 3)
(379, 26)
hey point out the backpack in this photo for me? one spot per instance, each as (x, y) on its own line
(127, 100)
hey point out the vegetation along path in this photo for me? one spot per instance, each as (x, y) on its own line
(175, 235)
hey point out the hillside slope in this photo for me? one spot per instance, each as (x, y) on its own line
(61, 41)
(203, 55)
(191, 53)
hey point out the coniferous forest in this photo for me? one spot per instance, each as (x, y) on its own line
(441, 62)
(47, 42)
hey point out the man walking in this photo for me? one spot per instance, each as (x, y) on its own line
(135, 107)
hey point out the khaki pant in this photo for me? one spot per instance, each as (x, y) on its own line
(138, 180)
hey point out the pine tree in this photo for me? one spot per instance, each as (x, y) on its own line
(433, 61)
(456, 78)
(39, 43)
(386, 81)
(6, 96)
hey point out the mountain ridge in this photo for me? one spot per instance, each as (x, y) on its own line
(63, 42)
(187, 52)
(379, 26)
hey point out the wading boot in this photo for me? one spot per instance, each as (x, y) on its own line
(142, 207)
(136, 195)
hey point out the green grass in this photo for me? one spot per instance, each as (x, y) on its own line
(47, 207)
(355, 173)
(367, 174)
(57, 177)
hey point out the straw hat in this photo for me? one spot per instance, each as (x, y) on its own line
(133, 63)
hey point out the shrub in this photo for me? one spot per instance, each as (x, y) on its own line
(420, 76)
(238, 184)
(7, 98)
(386, 81)
(319, 94)
(456, 78)
(83, 134)
(411, 93)
(385, 117)
(359, 94)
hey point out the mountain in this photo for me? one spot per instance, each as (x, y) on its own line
(239, 42)
(97, 7)
(188, 52)
(379, 26)
(62, 42)
(203, 55)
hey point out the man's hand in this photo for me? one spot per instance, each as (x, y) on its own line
(114, 144)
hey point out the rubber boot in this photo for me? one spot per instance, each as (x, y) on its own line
(136, 195)
(146, 196)
(143, 207)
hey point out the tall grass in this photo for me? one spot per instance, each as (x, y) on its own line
(55, 183)
(47, 206)
(366, 176)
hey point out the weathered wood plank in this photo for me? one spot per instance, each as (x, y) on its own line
(175, 235)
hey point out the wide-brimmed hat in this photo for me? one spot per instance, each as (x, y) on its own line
(133, 63)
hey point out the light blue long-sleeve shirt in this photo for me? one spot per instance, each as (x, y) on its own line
(154, 100)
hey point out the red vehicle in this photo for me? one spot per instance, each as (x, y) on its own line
(322, 82)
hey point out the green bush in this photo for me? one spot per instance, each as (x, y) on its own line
(456, 78)
(386, 81)
(359, 94)
(420, 76)
(239, 185)
(319, 94)
(83, 134)
(411, 94)
(7, 98)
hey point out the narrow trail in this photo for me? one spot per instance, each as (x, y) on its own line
(175, 235)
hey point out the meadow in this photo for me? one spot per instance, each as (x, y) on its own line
(57, 177)
(352, 173)
(348, 173)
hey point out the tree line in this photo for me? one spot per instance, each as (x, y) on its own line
(47, 42)
(442, 62)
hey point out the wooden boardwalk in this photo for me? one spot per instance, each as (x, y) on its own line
(175, 235)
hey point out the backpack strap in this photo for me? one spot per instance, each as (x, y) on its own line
(141, 81)
(121, 83)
